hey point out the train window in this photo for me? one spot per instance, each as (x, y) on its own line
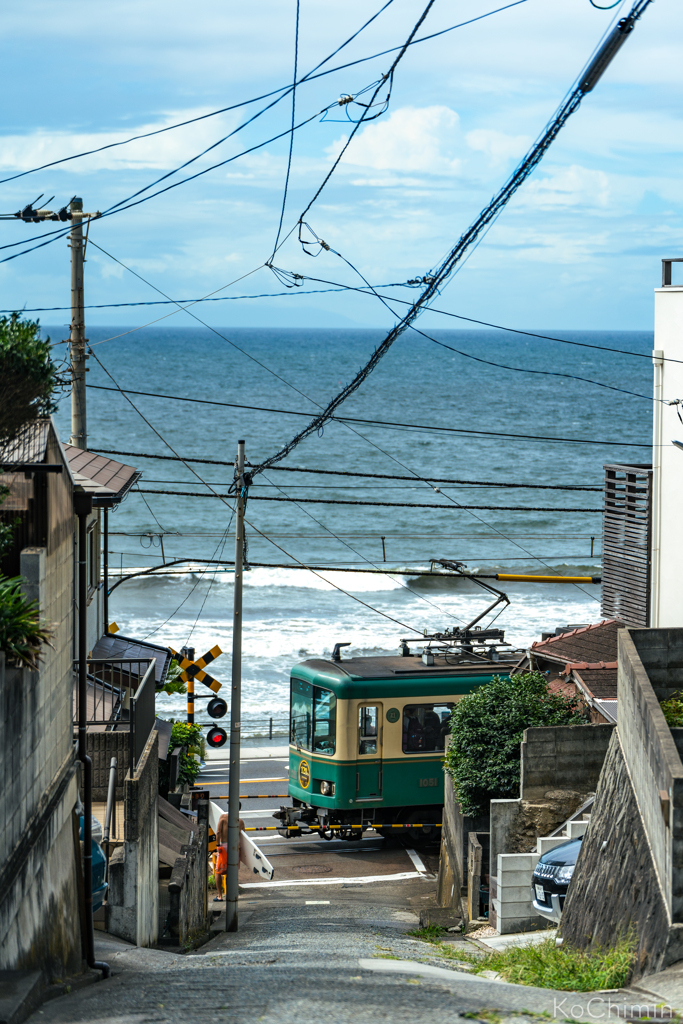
(425, 727)
(367, 730)
(313, 717)
(324, 720)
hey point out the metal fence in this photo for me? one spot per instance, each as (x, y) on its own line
(256, 727)
(121, 697)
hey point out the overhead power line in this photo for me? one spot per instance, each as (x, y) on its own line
(367, 422)
(285, 89)
(383, 504)
(365, 476)
(587, 81)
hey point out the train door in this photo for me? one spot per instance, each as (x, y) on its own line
(369, 764)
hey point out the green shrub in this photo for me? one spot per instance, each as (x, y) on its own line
(190, 739)
(28, 376)
(22, 634)
(173, 684)
(487, 728)
(673, 709)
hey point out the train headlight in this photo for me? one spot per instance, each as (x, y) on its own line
(327, 788)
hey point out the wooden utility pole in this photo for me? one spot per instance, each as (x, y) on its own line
(79, 426)
(232, 875)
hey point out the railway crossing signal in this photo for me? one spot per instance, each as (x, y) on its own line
(194, 669)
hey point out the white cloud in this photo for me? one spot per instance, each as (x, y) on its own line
(574, 186)
(160, 152)
(420, 139)
(497, 145)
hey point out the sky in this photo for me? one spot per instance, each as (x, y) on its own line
(579, 247)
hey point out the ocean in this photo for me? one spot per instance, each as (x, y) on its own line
(291, 614)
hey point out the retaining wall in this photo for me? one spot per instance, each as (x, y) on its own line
(133, 898)
(630, 870)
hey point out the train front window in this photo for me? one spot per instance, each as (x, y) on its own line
(313, 717)
(425, 727)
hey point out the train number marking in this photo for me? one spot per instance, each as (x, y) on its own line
(426, 783)
(304, 775)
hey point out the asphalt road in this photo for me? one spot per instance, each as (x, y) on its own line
(327, 940)
(345, 958)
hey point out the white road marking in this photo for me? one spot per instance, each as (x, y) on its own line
(315, 903)
(356, 880)
(417, 860)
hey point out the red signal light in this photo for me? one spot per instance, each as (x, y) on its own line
(216, 737)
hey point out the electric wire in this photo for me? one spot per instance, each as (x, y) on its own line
(355, 419)
(381, 504)
(450, 263)
(250, 524)
(291, 137)
(283, 89)
(374, 564)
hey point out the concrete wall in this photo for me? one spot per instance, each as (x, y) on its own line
(39, 909)
(667, 497)
(615, 884)
(653, 762)
(560, 767)
(630, 870)
(188, 893)
(133, 898)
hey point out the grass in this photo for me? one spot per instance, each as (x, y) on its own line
(545, 965)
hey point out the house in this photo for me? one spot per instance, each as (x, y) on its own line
(581, 661)
(57, 501)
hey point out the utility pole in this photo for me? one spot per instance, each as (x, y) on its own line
(232, 875)
(77, 340)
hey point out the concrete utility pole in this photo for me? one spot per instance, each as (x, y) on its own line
(232, 875)
(79, 426)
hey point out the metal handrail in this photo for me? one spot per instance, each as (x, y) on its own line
(139, 703)
(111, 810)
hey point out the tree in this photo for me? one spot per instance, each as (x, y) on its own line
(487, 728)
(28, 375)
(22, 633)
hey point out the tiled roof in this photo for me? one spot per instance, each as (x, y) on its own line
(602, 683)
(591, 644)
(105, 479)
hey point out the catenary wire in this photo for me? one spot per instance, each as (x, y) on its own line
(356, 552)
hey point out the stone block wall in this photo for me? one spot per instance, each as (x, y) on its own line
(101, 747)
(654, 765)
(564, 757)
(133, 898)
(615, 884)
(512, 902)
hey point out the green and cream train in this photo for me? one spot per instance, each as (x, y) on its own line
(367, 740)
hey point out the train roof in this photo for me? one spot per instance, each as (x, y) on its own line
(394, 675)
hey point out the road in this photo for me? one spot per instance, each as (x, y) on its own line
(327, 940)
(308, 860)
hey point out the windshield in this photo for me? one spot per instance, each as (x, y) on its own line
(313, 717)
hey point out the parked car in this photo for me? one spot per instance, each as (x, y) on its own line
(551, 878)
